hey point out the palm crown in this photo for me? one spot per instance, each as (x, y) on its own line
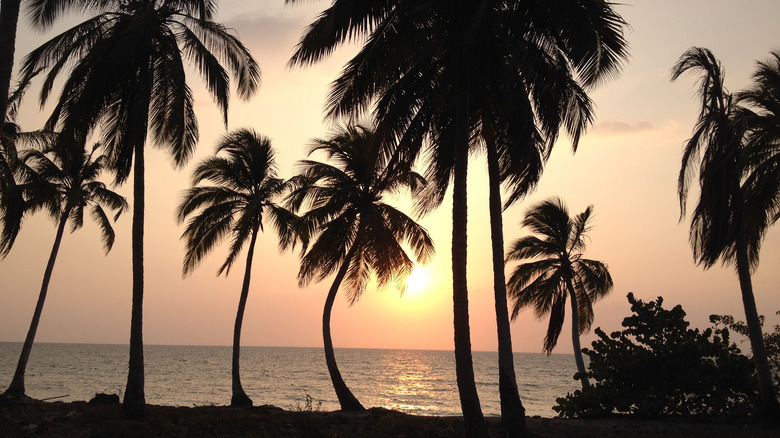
(556, 251)
(67, 184)
(145, 85)
(244, 185)
(347, 220)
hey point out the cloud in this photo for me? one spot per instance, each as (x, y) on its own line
(613, 127)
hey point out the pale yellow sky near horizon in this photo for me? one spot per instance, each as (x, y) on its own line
(626, 166)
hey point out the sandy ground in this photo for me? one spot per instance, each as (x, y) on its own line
(80, 419)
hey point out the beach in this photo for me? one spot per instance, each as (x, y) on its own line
(81, 419)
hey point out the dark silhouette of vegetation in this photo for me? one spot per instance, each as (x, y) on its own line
(434, 83)
(9, 19)
(771, 340)
(658, 366)
(11, 209)
(557, 271)
(63, 181)
(11, 199)
(760, 110)
(127, 76)
(727, 225)
(349, 229)
(243, 189)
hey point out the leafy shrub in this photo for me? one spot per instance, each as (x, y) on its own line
(771, 341)
(658, 366)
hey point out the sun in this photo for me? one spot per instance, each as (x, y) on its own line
(417, 280)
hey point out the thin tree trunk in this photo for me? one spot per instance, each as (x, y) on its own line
(16, 389)
(575, 336)
(134, 402)
(347, 400)
(512, 410)
(239, 397)
(464, 366)
(768, 407)
(9, 18)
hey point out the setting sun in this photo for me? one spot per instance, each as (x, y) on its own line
(417, 280)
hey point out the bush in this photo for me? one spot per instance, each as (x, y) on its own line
(771, 341)
(658, 366)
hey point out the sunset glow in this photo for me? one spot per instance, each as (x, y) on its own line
(417, 281)
(626, 166)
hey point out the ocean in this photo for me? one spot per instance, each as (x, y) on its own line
(413, 381)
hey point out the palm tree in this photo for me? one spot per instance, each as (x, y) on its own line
(64, 184)
(243, 187)
(721, 226)
(128, 77)
(463, 75)
(350, 230)
(557, 271)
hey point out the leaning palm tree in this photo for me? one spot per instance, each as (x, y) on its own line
(465, 74)
(557, 271)
(243, 187)
(128, 78)
(348, 228)
(722, 228)
(64, 182)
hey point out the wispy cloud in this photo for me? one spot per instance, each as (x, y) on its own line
(620, 127)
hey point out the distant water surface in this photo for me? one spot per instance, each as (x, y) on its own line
(414, 381)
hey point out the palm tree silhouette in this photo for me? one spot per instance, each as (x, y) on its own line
(722, 228)
(128, 77)
(464, 75)
(62, 180)
(350, 230)
(244, 183)
(557, 271)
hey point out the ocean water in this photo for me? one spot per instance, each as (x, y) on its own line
(414, 381)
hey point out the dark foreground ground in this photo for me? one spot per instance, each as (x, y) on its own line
(80, 419)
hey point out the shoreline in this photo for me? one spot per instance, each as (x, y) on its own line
(24, 418)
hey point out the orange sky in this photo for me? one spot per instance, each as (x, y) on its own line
(626, 167)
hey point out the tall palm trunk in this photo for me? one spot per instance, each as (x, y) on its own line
(768, 407)
(9, 18)
(16, 389)
(512, 410)
(134, 402)
(575, 335)
(464, 366)
(239, 397)
(347, 400)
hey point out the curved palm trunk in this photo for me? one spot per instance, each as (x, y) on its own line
(16, 389)
(134, 402)
(347, 400)
(575, 336)
(768, 407)
(239, 397)
(512, 410)
(9, 18)
(464, 366)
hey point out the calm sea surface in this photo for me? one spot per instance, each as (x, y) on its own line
(413, 381)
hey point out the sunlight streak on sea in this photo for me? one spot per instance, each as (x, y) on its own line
(413, 381)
